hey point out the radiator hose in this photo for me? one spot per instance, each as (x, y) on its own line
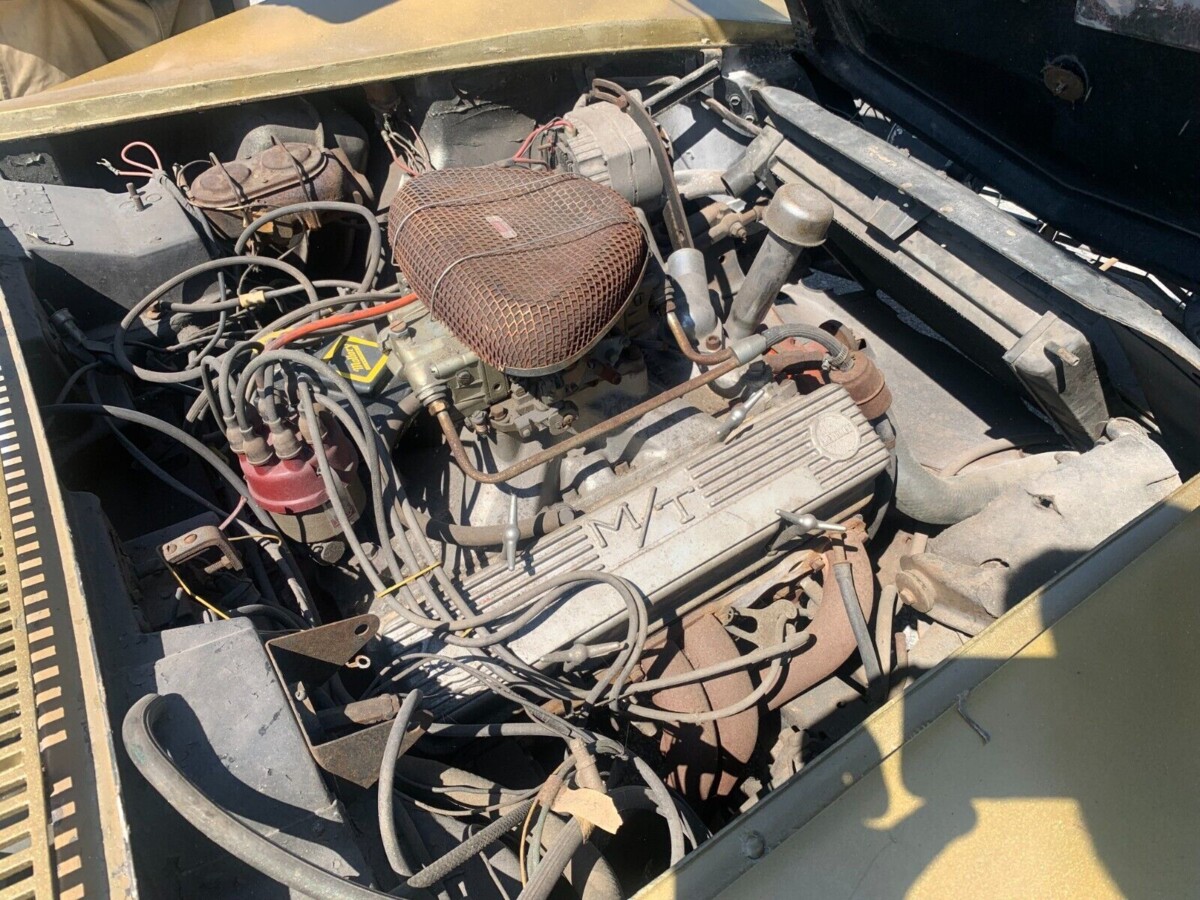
(934, 500)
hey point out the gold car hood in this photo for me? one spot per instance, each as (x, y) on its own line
(282, 47)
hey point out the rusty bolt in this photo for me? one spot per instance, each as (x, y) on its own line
(712, 342)
(916, 600)
(1056, 349)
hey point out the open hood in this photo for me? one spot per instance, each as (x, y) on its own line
(1084, 111)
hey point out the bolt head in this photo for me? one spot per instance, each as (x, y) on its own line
(753, 845)
(712, 342)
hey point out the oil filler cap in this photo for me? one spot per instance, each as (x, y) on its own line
(361, 361)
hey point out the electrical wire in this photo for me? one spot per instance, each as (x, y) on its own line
(387, 776)
(213, 460)
(140, 169)
(372, 312)
(215, 610)
(333, 488)
(192, 373)
(374, 254)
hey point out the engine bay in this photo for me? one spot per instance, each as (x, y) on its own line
(495, 483)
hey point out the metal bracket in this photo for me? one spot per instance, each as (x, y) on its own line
(690, 84)
(1054, 361)
(307, 660)
(770, 622)
(194, 543)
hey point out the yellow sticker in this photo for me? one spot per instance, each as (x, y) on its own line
(351, 358)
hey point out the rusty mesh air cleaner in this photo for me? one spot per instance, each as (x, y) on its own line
(528, 269)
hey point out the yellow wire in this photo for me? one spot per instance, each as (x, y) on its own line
(187, 590)
(524, 839)
(255, 537)
(409, 580)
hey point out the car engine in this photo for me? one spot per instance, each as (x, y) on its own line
(494, 487)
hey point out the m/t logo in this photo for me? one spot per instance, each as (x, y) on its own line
(626, 522)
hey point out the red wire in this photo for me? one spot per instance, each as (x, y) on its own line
(341, 319)
(528, 142)
(141, 170)
(396, 161)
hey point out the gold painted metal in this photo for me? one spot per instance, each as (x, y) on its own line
(274, 50)
(1089, 784)
(26, 867)
(31, 693)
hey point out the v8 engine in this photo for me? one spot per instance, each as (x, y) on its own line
(502, 484)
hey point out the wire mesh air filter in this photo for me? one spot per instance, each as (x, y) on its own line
(527, 269)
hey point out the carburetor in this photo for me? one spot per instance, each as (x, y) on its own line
(437, 365)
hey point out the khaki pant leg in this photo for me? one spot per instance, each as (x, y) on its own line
(45, 42)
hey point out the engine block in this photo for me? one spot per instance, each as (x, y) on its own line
(674, 531)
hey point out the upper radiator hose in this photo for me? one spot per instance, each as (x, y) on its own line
(929, 498)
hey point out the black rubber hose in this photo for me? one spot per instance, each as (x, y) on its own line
(284, 617)
(475, 844)
(393, 418)
(843, 573)
(567, 841)
(545, 522)
(929, 498)
(564, 845)
(839, 353)
(258, 852)
(387, 779)
(211, 820)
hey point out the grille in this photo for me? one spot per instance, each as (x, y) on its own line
(29, 695)
(527, 269)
